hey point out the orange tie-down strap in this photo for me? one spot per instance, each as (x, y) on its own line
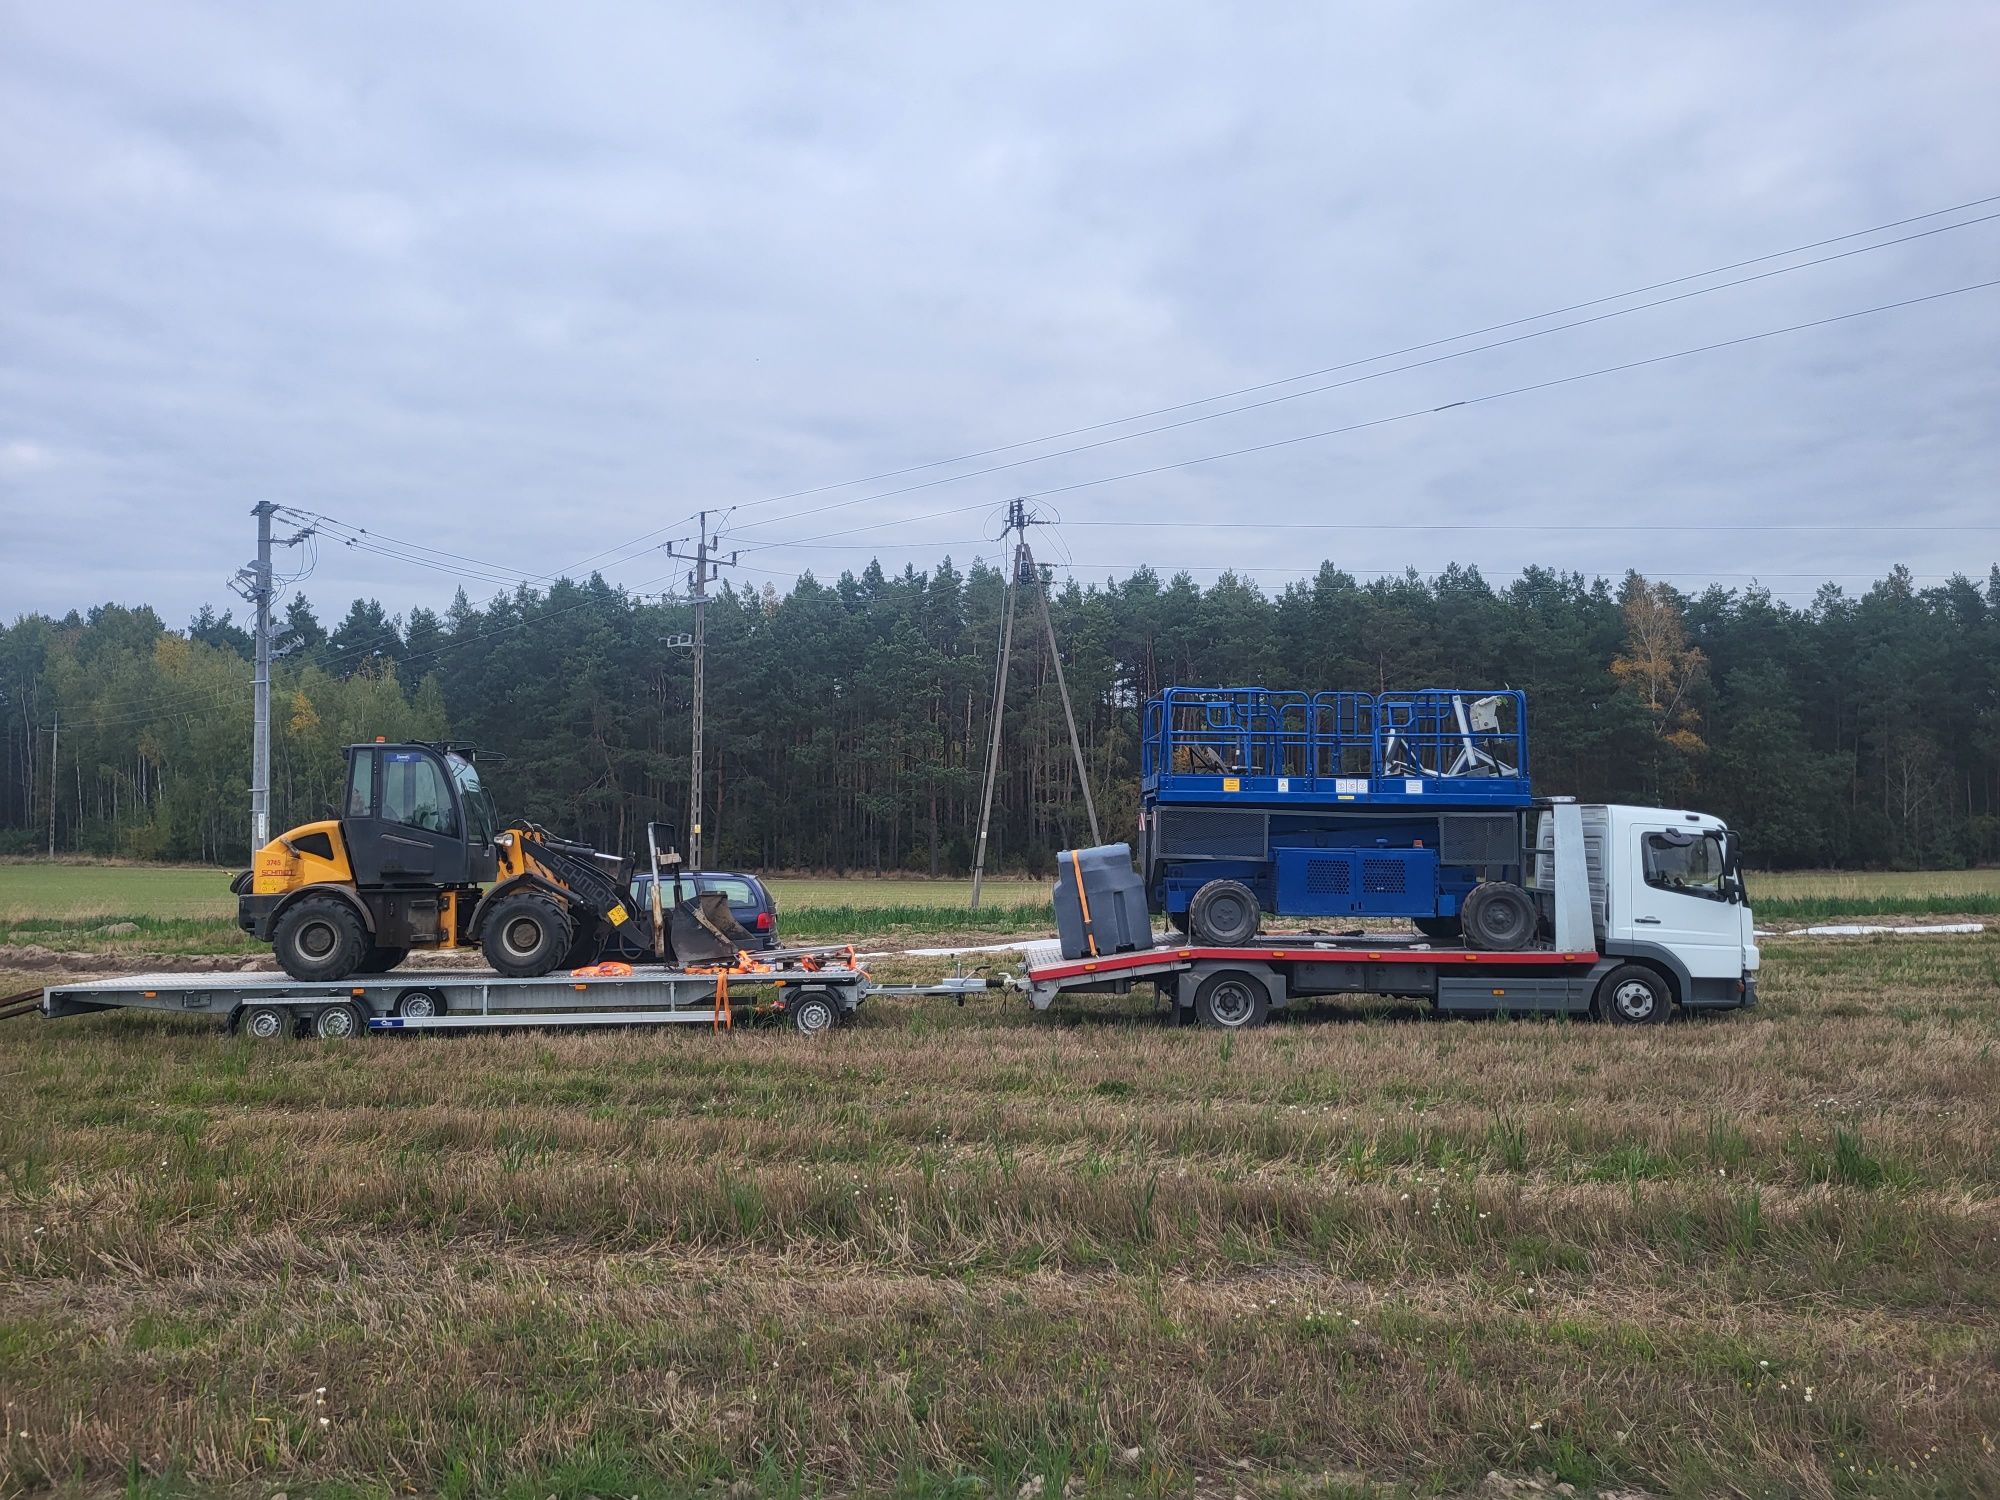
(611, 969)
(723, 1019)
(1083, 900)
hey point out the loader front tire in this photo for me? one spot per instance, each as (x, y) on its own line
(319, 939)
(525, 935)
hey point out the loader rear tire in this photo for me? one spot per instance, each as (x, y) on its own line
(320, 939)
(525, 935)
(381, 960)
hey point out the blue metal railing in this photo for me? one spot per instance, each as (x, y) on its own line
(1307, 745)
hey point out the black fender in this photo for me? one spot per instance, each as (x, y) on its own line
(346, 893)
(528, 879)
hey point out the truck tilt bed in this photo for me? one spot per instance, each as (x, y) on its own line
(1458, 979)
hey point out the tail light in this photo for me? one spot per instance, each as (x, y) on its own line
(763, 921)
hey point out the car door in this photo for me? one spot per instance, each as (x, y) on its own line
(1680, 898)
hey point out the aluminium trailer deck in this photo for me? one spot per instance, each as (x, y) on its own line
(274, 1005)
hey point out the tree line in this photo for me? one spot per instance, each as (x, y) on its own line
(847, 722)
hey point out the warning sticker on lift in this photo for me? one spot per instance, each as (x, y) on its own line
(1231, 784)
(1351, 786)
(1413, 787)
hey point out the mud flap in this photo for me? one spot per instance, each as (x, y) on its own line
(703, 930)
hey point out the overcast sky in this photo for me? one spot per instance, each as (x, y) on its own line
(528, 283)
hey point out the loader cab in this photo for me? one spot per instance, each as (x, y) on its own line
(416, 815)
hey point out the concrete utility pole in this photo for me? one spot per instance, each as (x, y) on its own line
(254, 584)
(55, 744)
(1024, 572)
(706, 562)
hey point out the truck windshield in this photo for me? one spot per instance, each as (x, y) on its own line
(479, 820)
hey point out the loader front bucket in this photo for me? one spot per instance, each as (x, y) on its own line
(703, 930)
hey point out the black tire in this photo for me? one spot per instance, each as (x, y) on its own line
(420, 1003)
(1633, 995)
(814, 1013)
(587, 947)
(1232, 1000)
(1224, 914)
(381, 960)
(1499, 918)
(267, 1023)
(1440, 929)
(320, 938)
(339, 1023)
(525, 935)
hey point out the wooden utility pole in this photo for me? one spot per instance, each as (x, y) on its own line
(1023, 571)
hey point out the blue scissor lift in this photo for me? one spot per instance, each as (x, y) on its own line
(1337, 804)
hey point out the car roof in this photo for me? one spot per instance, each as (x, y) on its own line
(703, 875)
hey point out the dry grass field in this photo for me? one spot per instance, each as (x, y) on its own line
(952, 1252)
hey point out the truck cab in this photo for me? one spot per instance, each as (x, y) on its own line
(1667, 889)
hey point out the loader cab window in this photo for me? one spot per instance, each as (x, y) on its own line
(414, 792)
(1690, 863)
(479, 819)
(361, 784)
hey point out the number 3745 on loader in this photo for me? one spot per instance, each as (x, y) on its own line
(417, 859)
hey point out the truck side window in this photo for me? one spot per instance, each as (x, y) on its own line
(361, 785)
(414, 793)
(1694, 867)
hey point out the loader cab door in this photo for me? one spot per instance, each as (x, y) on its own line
(403, 820)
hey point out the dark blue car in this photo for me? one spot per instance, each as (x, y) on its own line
(750, 902)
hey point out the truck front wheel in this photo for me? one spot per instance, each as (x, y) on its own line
(1224, 914)
(1634, 995)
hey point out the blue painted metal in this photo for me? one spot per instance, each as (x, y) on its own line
(1273, 748)
(1326, 804)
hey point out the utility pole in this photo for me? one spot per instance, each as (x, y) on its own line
(55, 744)
(706, 562)
(1024, 572)
(254, 584)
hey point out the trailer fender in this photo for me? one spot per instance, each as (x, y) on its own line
(1189, 980)
(328, 888)
(527, 879)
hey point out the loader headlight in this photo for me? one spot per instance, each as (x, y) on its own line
(503, 840)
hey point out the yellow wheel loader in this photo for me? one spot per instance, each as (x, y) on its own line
(417, 859)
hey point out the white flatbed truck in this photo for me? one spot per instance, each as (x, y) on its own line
(1645, 910)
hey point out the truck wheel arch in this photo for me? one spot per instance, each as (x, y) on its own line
(1653, 955)
(1190, 982)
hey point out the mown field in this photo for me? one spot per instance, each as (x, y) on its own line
(954, 1252)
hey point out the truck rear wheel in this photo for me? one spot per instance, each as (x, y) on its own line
(320, 938)
(1232, 1000)
(1499, 917)
(525, 935)
(1634, 995)
(1224, 914)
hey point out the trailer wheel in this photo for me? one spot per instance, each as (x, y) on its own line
(1232, 1000)
(266, 1023)
(1633, 995)
(1224, 913)
(339, 1023)
(1499, 917)
(814, 1013)
(420, 1003)
(525, 935)
(320, 939)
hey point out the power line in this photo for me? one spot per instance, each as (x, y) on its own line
(1316, 390)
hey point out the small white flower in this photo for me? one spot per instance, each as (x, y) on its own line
(1534, 1427)
(326, 1421)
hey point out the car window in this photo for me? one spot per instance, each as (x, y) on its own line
(414, 792)
(1695, 867)
(737, 892)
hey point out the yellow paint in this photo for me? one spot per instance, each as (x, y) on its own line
(282, 866)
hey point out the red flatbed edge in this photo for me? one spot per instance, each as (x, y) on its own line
(1113, 963)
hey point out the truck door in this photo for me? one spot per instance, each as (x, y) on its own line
(1681, 892)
